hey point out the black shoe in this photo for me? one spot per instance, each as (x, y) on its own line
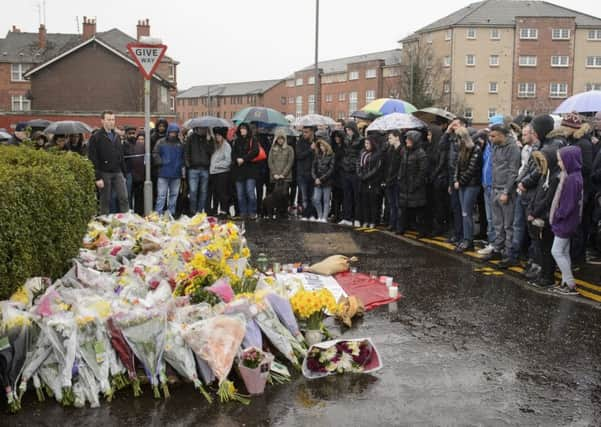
(508, 262)
(539, 282)
(493, 256)
(533, 272)
(452, 240)
(464, 247)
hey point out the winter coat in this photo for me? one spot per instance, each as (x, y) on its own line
(304, 157)
(155, 136)
(338, 159)
(581, 139)
(246, 149)
(281, 161)
(106, 153)
(452, 157)
(323, 169)
(393, 164)
(221, 159)
(439, 175)
(529, 173)
(369, 167)
(566, 208)
(135, 164)
(413, 172)
(487, 164)
(542, 195)
(505, 165)
(596, 174)
(198, 151)
(352, 149)
(469, 172)
(168, 155)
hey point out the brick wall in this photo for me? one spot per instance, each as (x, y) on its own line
(9, 88)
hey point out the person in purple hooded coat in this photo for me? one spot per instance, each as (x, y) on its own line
(566, 213)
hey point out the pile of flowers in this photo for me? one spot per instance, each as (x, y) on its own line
(146, 294)
(341, 356)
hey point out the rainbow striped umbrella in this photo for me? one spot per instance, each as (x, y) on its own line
(383, 106)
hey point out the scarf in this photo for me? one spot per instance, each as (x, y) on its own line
(365, 158)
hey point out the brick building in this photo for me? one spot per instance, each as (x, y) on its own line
(76, 76)
(510, 57)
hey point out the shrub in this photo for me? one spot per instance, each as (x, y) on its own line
(46, 202)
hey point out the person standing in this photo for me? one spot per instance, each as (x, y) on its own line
(136, 167)
(168, 155)
(369, 171)
(281, 164)
(467, 180)
(566, 213)
(391, 178)
(505, 166)
(337, 144)
(486, 148)
(219, 171)
(350, 181)
(199, 148)
(453, 145)
(322, 172)
(304, 162)
(105, 151)
(244, 172)
(412, 183)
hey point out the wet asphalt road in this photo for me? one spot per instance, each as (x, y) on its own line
(462, 349)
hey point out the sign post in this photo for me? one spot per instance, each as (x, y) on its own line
(147, 55)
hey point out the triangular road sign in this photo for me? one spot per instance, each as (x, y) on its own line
(147, 56)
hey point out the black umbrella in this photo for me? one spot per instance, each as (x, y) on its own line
(433, 114)
(68, 127)
(365, 115)
(38, 123)
(207, 122)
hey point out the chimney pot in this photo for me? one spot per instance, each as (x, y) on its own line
(143, 28)
(42, 36)
(89, 28)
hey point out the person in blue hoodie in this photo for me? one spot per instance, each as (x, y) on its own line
(566, 213)
(168, 155)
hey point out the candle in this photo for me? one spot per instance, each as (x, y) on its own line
(393, 291)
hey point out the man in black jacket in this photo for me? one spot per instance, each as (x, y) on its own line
(350, 181)
(197, 154)
(106, 153)
(304, 161)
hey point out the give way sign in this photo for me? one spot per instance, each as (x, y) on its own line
(147, 56)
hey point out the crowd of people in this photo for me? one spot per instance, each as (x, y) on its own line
(529, 187)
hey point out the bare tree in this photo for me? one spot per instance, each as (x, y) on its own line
(420, 74)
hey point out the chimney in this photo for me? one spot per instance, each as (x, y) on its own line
(15, 29)
(143, 28)
(89, 28)
(42, 36)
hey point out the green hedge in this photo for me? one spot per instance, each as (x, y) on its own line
(46, 202)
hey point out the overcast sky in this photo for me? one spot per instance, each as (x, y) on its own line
(218, 41)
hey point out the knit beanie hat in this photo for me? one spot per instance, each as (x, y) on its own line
(542, 125)
(572, 120)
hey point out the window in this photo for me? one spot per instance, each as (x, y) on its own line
(526, 90)
(470, 60)
(447, 61)
(470, 34)
(353, 75)
(528, 34)
(329, 98)
(299, 106)
(469, 87)
(341, 115)
(594, 35)
(163, 94)
(311, 104)
(370, 74)
(592, 86)
(448, 35)
(352, 101)
(468, 114)
(171, 76)
(492, 112)
(495, 34)
(446, 87)
(560, 34)
(370, 95)
(527, 61)
(558, 90)
(529, 113)
(311, 80)
(493, 87)
(493, 61)
(391, 72)
(20, 103)
(172, 103)
(299, 81)
(16, 72)
(289, 83)
(283, 100)
(291, 100)
(560, 61)
(341, 96)
(429, 40)
(593, 61)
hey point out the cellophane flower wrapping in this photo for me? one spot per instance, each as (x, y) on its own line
(282, 308)
(125, 354)
(341, 356)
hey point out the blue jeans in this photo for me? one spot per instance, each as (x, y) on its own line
(321, 201)
(519, 227)
(247, 197)
(198, 181)
(305, 186)
(490, 229)
(457, 217)
(467, 199)
(392, 193)
(167, 190)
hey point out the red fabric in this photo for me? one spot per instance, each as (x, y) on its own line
(370, 291)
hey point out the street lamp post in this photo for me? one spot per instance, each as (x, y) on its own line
(317, 103)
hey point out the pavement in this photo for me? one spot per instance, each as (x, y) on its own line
(460, 348)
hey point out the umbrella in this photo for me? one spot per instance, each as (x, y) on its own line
(38, 123)
(365, 115)
(267, 117)
(585, 102)
(395, 121)
(314, 120)
(433, 114)
(4, 136)
(207, 122)
(68, 127)
(383, 106)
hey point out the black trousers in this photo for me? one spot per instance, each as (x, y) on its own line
(337, 202)
(137, 195)
(369, 195)
(412, 215)
(219, 192)
(542, 242)
(440, 209)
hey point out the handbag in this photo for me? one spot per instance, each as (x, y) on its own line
(261, 156)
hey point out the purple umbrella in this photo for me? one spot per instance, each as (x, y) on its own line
(585, 102)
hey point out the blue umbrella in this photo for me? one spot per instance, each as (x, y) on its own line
(585, 102)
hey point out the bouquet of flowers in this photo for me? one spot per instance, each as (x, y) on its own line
(312, 305)
(341, 356)
(125, 354)
(254, 369)
(38, 350)
(282, 308)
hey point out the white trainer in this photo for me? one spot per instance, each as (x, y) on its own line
(487, 250)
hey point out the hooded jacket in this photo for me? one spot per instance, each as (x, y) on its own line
(506, 161)
(469, 172)
(352, 149)
(529, 174)
(413, 172)
(280, 159)
(393, 164)
(566, 209)
(542, 195)
(221, 159)
(440, 172)
(370, 167)
(168, 155)
(323, 166)
(304, 157)
(452, 156)
(339, 150)
(156, 135)
(198, 151)
(581, 139)
(246, 148)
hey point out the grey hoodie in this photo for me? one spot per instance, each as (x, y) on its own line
(221, 159)
(506, 160)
